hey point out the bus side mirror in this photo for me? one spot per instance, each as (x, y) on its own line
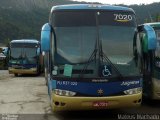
(5, 51)
(45, 37)
(150, 36)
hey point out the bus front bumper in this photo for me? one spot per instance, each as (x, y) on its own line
(63, 103)
(22, 71)
(156, 89)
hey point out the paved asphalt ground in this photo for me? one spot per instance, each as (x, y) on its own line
(26, 98)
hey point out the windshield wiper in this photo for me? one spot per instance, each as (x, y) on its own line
(102, 58)
(101, 54)
(91, 58)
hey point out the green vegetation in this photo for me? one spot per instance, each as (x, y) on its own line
(147, 13)
(21, 24)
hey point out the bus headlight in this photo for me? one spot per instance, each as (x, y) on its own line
(54, 71)
(133, 91)
(34, 69)
(64, 92)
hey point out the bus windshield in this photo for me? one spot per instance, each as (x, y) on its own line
(76, 37)
(23, 55)
(157, 52)
(117, 40)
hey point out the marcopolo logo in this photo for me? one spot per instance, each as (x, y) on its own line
(122, 18)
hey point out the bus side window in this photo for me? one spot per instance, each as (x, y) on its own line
(158, 35)
(137, 48)
(157, 52)
(138, 43)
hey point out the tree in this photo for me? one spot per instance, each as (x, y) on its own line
(158, 17)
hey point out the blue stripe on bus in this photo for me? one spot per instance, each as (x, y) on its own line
(53, 84)
(90, 88)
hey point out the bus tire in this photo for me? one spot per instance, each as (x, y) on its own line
(16, 75)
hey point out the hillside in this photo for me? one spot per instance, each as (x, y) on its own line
(29, 5)
(24, 18)
(147, 12)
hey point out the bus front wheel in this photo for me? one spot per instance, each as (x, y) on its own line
(16, 75)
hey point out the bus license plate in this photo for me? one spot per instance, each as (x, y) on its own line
(100, 104)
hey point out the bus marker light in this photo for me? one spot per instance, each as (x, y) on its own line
(54, 72)
(55, 67)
